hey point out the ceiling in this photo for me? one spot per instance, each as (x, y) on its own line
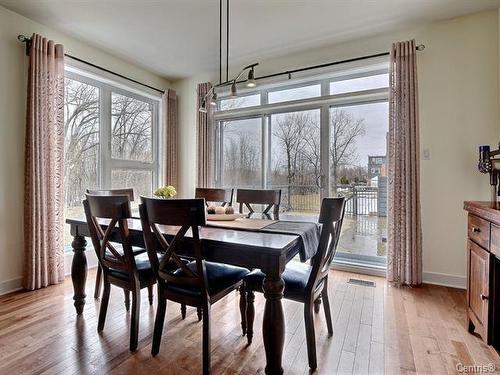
(179, 38)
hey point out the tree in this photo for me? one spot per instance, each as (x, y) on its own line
(344, 132)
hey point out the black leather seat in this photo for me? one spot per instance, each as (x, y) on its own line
(143, 269)
(219, 277)
(295, 276)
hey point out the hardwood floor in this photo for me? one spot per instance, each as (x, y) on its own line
(376, 330)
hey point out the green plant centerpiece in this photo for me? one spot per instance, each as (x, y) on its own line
(165, 192)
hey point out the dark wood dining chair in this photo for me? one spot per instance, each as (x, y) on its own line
(270, 198)
(303, 282)
(224, 197)
(122, 268)
(198, 283)
(129, 192)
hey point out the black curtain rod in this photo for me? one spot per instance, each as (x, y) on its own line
(289, 73)
(25, 39)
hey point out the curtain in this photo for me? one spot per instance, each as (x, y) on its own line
(44, 161)
(170, 127)
(404, 256)
(205, 139)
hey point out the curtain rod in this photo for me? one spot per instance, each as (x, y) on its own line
(25, 39)
(289, 73)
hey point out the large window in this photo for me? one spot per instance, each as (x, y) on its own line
(315, 139)
(110, 139)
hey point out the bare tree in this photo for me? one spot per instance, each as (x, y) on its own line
(345, 130)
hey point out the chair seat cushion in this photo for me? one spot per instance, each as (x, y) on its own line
(119, 248)
(143, 269)
(296, 275)
(219, 277)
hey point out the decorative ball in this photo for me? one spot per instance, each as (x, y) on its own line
(211, 210)
(229, 210)
(220, 210)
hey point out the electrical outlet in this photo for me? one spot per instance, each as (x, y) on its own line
(426, 154)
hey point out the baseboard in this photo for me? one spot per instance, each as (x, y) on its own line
(9, 286)
(443, 279)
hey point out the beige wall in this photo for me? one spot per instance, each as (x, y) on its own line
(13, 65)
(458, 81)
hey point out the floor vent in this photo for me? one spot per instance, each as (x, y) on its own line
(361, 282)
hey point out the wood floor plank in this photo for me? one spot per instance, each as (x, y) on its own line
(381, 330)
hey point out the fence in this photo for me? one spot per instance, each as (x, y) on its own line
(360, 199)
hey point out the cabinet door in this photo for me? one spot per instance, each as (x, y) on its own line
(478, 288)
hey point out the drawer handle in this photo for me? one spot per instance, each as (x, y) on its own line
(483, 297)
(475, 230)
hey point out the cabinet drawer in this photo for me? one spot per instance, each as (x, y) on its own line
(479, 231)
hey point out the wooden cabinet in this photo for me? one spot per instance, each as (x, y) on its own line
(478, 289)
(483, 266)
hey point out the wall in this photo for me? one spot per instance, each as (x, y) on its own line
(13, 66)
(458, 92)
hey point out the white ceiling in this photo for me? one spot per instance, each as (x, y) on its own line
(179, 38)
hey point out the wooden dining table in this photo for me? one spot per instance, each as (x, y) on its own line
(269, 252)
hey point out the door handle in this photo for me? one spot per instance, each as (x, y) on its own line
(475, 230)
(318, 181)
(483, 297)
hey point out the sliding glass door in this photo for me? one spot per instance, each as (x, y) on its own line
(295, 160)
(358, 171)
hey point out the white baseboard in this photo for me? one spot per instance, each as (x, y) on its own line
(443, 279)
(359, 268)
(12, 285)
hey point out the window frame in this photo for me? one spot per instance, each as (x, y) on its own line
(106, 163)
(323, 103)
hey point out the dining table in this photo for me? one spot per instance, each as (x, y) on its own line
(267, 250)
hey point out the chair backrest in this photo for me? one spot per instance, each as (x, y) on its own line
(331, 217)
(270, 198)
(186, 214)
(222, 196)
(125, 191)
(116, 209)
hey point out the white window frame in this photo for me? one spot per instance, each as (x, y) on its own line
(106, 87)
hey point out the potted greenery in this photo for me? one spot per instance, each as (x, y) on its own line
(165, 192)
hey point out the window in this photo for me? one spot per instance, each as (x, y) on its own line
(296, 93)
(334, 145)
(110, 140)
(242, 152)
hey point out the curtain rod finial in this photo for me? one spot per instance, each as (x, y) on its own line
(420, 47)
(23, 38)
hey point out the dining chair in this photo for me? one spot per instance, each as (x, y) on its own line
(120, 267)
(303, 282)
(129, 192)
(222, 196)
(198, 283)
(270, 198)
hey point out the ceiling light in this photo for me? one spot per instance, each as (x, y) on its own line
(251, 82)
(203, 108)
(213, 100)
(234, 93)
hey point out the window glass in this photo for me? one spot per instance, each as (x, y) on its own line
(81, 157)
(131, 124)
(359, 84)
(242, 153)
(239, 102)
(296, 93)
(140, 180)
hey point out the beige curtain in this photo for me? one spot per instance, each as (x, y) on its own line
(205, 139)
(44, 161)
(170, 127)
(404, 258)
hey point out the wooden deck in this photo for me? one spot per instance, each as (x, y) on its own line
(376, 330)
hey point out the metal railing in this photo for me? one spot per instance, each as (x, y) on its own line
(360, 199)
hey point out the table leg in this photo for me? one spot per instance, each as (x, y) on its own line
(79, 272)
(273, 326)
